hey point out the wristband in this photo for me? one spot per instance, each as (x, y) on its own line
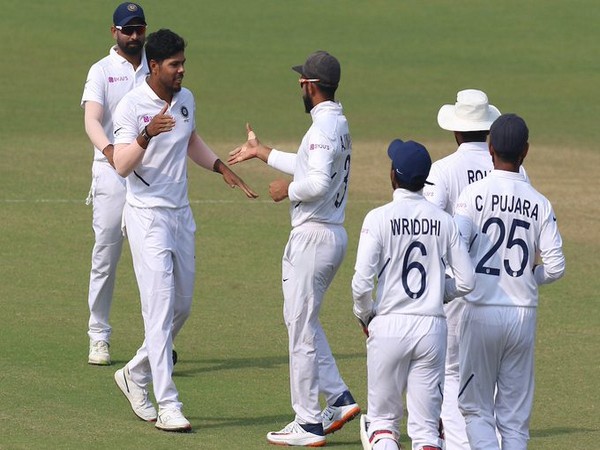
(145, 134)
(215, 165)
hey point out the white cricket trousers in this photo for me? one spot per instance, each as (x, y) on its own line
(406, 353)
(455, 429)
(311, 258)
(163, 251)
(107, 195)
(497, 356)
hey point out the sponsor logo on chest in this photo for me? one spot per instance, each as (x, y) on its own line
(118, 79)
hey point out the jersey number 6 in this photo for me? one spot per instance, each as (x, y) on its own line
(414, 265)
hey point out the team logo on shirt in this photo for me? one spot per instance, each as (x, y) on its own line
(146, 118)
(185, 113)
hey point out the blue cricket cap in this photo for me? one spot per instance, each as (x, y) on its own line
(509, 134)
(126, 12)
(411, 162)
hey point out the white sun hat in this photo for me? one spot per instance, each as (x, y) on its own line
(471, 112)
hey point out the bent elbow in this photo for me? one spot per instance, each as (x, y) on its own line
(555, 273)
(466, 283)
(320, 187)
(465, 288)
(122, 171)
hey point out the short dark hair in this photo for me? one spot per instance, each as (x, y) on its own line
(163, 44)
(412, 187)
(474, 136)
(328, 91)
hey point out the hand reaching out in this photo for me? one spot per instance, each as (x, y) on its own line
(251, 149)
(233, 180)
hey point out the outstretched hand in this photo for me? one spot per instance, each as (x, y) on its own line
(251, 149)
(232, 180)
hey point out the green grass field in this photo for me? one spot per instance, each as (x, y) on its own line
(401, 61)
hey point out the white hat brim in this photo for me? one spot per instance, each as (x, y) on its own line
(448, 120)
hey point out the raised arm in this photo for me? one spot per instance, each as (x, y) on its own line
(128, 156)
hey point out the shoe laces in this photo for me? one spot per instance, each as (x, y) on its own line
(100, 346)
(169, 414)
(292, 427)
(329, 412)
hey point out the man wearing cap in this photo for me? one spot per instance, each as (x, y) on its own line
(506, 224)
(314, 252)
(401, 249)
(469, 119)
(107, 82)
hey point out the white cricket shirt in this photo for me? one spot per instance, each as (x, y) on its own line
(321, 168)
(107, 83)
(161, 178)
(449, 175)
(504, 221)
(401, 247)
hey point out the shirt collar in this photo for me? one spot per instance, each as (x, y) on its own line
(405, 194)
(496, 173)
(150, 92)
(114, 55)
(325, 106)
(473, 146)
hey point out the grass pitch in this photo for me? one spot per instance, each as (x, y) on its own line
(401, 61)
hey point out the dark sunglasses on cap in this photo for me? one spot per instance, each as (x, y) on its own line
(128, 30)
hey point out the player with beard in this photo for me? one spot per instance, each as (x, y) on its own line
(107, 82)
(314, 252)
(155, 132)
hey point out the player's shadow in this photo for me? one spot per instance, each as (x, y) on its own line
(199, 366)
(557, 431)
(271, 422)
(206, 422)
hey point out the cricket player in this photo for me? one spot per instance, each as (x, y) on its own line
(469, 119)
(107, 82)
(506, 223)
(401, 250)
(314, 252)
(154, 133)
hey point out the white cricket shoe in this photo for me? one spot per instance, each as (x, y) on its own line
(364, 433)
(171, 419)
(337, 415)
(136, 395)
(305, 435)
(99, 354)
(382, 439)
